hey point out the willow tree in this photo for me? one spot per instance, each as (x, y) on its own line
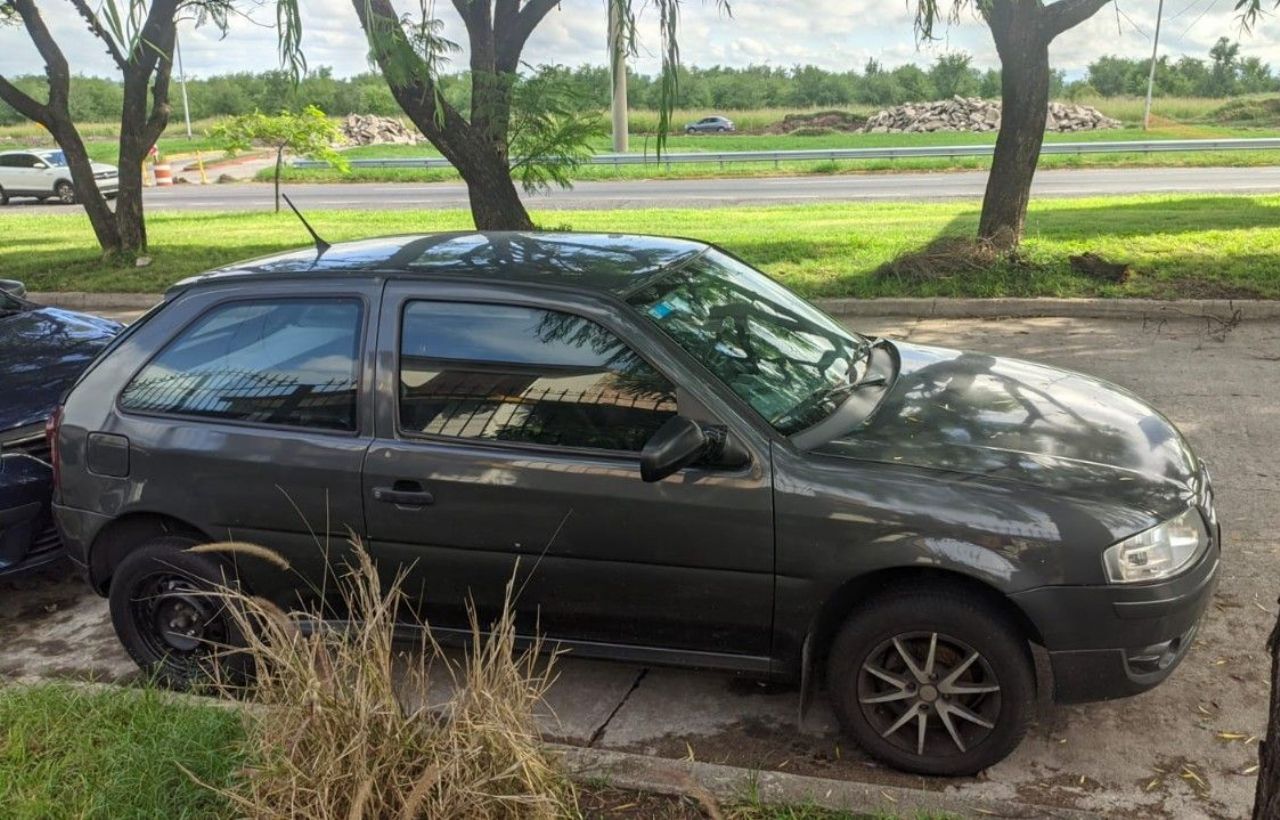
(139, 37)
(503, 135)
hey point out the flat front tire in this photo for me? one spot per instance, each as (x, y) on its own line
(932, 680)
(171, 618)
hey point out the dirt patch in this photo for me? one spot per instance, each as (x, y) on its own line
(604, 801)
(947, 257)
(817, 124)
(763, 745)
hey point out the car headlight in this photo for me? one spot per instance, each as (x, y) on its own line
(1160, 552)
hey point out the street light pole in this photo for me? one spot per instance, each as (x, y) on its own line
(618, 64)
(1151, 78)
(182, 80)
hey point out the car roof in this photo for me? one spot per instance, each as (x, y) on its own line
(615, 263)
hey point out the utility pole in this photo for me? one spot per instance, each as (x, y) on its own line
(618, 64)
(182, 81)
(1151, 78)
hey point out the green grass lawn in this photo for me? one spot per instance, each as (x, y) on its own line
(76, 753)
(766, 142)
(1178, 246)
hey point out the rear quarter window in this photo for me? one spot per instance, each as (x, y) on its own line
(291, 362)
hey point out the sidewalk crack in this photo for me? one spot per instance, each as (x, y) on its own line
(599, 732)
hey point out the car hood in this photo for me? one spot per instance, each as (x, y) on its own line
(1011, 420)
(100, 167)
(45, 349)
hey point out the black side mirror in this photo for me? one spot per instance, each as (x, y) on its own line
(13, 287)
(675, 445)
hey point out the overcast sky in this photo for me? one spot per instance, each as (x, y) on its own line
(834, 34)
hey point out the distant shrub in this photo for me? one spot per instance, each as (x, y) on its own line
(1249, 111)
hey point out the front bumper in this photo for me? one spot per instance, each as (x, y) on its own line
(1117, 640)
(28, 538)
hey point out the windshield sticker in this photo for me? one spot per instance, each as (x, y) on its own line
(661, 310)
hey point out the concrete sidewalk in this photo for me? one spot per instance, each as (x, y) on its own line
(1156, 755)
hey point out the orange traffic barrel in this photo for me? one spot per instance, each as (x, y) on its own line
(164, 174)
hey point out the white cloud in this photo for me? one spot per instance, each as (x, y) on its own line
(834, 34)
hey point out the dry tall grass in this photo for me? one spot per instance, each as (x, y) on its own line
(335, 735)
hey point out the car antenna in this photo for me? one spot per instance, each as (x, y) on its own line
(321, 245)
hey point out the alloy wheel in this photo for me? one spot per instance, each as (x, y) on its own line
(929, 694)
(65, 193)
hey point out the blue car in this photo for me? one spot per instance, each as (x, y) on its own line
(42, 352)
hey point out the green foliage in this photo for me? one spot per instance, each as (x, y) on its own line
(550, 133)
(717, 88)
(308, 133)
(1224, 75)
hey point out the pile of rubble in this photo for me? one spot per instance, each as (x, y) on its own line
(370, 129)
(976, 114)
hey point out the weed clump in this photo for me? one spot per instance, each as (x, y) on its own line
(339, 724)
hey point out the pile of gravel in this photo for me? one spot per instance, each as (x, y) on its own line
(976, 114)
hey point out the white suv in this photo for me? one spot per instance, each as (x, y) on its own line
(44, 174)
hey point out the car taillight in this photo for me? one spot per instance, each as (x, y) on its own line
(51, 428)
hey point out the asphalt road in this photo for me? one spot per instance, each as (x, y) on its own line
(1126, 758)
(702, 193)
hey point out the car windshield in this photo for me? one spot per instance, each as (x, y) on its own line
(55, 158)
(770, 347)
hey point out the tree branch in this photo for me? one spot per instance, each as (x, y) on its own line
(158, 119)
(55, 64)
(412, 86)
(1067, 14)
(511, 39)
(95, 26)
(23, 103)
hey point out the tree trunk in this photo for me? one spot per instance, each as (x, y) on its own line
(1266, 805)
(90, 198)
(1024, 91)
(495, 202)
(279, 162)
(146, 74)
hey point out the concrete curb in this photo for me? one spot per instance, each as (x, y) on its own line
(926, 308)
(731, 784)
(80, 300)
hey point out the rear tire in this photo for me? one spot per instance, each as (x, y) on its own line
(168, 615)
(65, 193)
(953, 686)
(4, 198)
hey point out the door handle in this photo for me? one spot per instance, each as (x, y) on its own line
(403, 498)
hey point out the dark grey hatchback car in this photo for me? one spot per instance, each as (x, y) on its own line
(692, 465)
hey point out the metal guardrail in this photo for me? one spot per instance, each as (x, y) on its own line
(832, 154)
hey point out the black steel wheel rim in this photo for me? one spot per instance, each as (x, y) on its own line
(179, 620)
(929, 694)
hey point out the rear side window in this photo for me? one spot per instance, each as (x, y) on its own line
(285, 362)
(507, 373)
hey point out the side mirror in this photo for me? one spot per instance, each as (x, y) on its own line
(675, 445)
(41, 166)
(13, 287)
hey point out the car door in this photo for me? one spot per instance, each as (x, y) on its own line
(19, 174)
(250, 421)
(508, 440)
